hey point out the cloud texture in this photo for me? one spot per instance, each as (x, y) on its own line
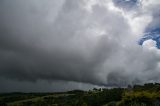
(83, 41)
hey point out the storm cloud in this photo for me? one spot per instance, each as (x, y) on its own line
(80, 41)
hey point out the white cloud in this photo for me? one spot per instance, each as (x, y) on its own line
(149, 44)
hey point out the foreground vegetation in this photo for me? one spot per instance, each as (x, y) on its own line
(138, 95)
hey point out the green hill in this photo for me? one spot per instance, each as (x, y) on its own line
(138, 95)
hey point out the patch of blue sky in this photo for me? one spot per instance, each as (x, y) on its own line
(126, 4)
(153, 34)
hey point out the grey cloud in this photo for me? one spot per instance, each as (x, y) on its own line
(41, 86)
(61, 40)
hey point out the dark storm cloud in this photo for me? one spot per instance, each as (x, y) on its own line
(34, 49)
(41, 86)
(70, 40)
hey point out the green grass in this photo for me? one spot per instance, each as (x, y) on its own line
(36, 99)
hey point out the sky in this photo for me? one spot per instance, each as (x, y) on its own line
(60, 45)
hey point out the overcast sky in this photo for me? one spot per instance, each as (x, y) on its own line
(59, 45)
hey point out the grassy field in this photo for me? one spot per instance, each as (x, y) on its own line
(35, 100)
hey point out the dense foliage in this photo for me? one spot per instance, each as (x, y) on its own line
(138, 95)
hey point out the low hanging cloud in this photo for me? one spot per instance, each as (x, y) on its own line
(85, 41)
